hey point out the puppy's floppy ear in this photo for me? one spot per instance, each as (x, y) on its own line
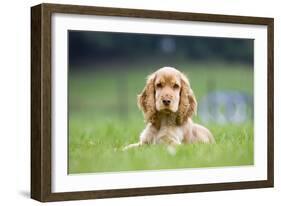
(146, 100)
(192, 110)
(188, 103)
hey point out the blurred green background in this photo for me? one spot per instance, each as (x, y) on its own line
(108, 70)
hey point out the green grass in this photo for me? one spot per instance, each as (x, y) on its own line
(103, 117)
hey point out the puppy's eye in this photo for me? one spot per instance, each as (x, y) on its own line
(176, 86)
(159, 85)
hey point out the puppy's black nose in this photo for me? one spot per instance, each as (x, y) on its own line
(166, 102)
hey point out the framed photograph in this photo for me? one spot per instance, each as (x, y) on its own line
(128, 102)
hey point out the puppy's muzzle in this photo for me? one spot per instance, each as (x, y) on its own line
(166, 102)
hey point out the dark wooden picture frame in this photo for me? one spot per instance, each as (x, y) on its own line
(41, 101)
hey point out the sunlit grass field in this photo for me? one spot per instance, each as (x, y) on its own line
(103, 118)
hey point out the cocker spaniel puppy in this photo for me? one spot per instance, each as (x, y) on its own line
(168, 103)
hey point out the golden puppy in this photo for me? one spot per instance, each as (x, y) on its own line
(168, 103)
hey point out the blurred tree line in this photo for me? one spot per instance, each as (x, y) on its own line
(90, 48)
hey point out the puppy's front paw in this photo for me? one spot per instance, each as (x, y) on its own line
(131, 146)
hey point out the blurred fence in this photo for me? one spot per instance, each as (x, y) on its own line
(224, 107)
